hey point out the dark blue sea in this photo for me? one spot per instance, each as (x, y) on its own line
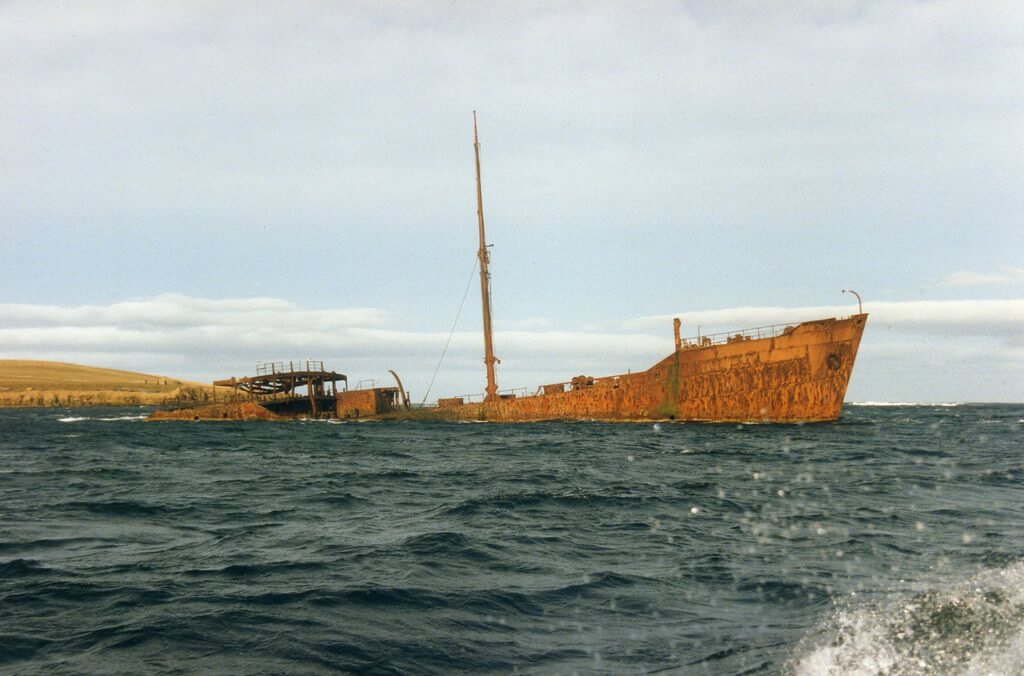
(891, 542)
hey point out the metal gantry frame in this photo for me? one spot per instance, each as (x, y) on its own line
(273, 379)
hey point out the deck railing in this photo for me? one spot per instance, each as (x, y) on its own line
(723, 337)
(269, 368)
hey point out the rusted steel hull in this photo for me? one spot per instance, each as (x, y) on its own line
(368, 403)
(798, 376)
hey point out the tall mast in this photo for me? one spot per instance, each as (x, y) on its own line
(485, 277)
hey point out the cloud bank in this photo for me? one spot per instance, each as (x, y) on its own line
(974, 347)
(1003, 318)
(1004, 276)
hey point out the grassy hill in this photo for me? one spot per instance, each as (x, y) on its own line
(49, 383)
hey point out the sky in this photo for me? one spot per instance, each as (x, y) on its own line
(188, 189)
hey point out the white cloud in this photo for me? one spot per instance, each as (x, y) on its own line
(948, 317)
(1004, 276)
(263, 327)
(960, 349)
(175, 310)
(530, 324)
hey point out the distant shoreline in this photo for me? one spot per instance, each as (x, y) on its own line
(48, 384)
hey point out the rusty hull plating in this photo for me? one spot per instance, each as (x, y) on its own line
(772, 374)
(789, 374)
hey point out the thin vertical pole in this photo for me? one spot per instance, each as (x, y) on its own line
(485, 276)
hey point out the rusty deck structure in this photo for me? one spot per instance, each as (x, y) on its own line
(296, 390)
(276, 387)
(772, 374)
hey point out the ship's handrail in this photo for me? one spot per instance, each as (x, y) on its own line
(266, 368)
(269, 368)
(723, 337)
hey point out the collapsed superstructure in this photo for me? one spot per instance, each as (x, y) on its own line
(303, 389)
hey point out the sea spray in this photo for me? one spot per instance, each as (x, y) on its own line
(973, 625)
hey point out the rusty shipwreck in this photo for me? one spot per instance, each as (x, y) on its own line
(771, 374)
(782, 373)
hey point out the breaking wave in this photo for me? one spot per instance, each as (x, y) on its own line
(941, 404)
(972, 627)
(72, 419)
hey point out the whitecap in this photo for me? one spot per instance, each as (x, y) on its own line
(125, 417)
(941, 404)
(73, 419)
(971, 626)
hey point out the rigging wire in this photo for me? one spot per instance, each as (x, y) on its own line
(452, 332)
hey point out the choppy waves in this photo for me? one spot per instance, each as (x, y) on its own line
(890, 542)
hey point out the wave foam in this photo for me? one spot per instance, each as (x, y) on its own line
(972, 627)
(942, 404)
(71, 419)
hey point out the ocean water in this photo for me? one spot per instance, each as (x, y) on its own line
(891, 542)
